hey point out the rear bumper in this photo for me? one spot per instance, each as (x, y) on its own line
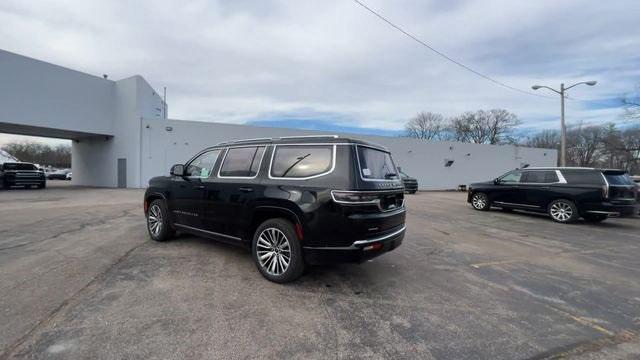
(613, 210)
(359, 251)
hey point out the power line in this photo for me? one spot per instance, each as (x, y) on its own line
(445, 56)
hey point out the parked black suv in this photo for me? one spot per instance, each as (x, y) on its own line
(566, 194)
(291, 200)
(21, 174)
(410, 183)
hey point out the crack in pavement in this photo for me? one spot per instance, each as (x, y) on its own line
(82, 226)
(66, 303)
(590, 346)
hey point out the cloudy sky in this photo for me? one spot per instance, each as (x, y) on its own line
(331, 64)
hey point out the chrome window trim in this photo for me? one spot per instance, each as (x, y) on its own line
(606, 182)
(239, 147)
(307, 137)
(561, 179)
(331, 169)
(360, 166)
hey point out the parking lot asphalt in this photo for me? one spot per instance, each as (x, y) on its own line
(79, 278)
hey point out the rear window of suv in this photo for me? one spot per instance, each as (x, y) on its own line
(301, 161)
(376, 164)
(618, 179)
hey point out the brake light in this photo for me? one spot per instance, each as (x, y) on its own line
(354, 197)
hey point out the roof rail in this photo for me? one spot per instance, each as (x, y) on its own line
(244, 140)
(308, 136)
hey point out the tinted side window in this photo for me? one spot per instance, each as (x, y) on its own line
(583, 177)
(297, 161)
(242, 162)
(512, 177)
(539, 177)
(202, 165)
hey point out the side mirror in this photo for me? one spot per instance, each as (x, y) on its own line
(496, 181)
(177, 170)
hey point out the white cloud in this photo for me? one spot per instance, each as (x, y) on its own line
(244, 60)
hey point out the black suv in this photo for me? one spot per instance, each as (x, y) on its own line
(566, 194)
(291, 200)
(21, 174)
(410, 183)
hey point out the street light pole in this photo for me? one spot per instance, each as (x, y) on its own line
(563, 128)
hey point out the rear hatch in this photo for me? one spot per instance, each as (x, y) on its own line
(375, 206)
(622, 189)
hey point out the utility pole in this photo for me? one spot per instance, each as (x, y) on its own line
(563, 128)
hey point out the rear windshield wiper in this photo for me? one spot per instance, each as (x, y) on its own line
(390, 175)
(300, 158)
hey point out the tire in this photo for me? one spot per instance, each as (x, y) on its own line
(158, 224)
(42, 186)
(563, 211)
(274, 240)
(595, 218)
(480, 201)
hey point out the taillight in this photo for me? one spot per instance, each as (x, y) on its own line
(354, 197)
(146, 206)
(605, 191)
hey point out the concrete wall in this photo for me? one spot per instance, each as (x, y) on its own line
(422, 159)
(43, 95)
(102, 117)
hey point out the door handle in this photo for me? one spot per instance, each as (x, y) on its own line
(545, 188)
(245, 189)
(198, 187)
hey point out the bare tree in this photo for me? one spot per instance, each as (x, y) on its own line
(485, 126)
(546, 139)
(584, 144)
(43, 154)
(427, 126)
(596, 145)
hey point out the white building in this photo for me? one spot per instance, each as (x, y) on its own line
(122, 137)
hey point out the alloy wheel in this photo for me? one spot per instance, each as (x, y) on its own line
(479, 201)
(274, 251)
(154, 220)
(561, 211)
